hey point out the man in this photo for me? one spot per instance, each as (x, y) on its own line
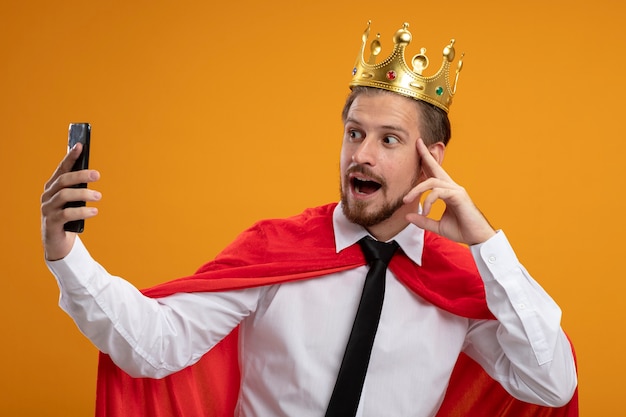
(291, 287)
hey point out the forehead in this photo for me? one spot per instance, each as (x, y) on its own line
(384, 109)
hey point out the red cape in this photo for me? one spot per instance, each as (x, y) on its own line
(303, 247)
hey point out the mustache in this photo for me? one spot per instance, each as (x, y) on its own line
(365, 170)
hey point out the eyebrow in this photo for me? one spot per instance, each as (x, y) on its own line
(383, 127)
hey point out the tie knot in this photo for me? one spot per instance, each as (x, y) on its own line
(373, 249)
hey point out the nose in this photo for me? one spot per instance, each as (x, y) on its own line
(365, 153)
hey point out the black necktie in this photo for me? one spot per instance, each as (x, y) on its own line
(345, 398)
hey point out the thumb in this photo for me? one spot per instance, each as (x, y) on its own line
(423, 222)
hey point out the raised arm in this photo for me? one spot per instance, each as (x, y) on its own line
(524, 349)
(144, 336)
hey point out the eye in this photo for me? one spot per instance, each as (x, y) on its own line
(390, 140)
(355, 134)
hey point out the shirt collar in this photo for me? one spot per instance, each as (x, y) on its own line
(410, 239)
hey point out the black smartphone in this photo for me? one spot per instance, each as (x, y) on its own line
(78, 133)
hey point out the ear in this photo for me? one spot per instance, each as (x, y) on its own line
(437, 150)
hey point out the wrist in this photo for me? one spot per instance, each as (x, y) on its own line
(59, 250)
(483, 237)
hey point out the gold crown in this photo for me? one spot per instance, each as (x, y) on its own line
(393, 73)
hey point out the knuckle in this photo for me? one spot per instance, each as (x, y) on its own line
(48, 184)
(62, 181)
(45, 209)
(66, 215)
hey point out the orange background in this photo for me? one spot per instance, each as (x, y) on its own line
(207, 116)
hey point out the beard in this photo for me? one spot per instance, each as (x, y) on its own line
(356, 211)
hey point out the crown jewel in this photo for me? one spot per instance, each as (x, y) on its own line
(394, 74)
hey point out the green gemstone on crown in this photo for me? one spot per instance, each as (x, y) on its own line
(439, 90)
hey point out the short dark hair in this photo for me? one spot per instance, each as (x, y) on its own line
(435, 127)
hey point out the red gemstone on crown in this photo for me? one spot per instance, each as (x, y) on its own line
(391, 75)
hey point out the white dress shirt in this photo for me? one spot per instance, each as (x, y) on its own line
(293, 336)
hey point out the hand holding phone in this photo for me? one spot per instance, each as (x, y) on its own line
(78, 133)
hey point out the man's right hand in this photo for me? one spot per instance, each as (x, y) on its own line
(58, 191)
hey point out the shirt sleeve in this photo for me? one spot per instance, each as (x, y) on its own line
(145, 337)
(525, 349)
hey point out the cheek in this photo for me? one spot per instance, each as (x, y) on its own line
(345, 159)
(407, 170)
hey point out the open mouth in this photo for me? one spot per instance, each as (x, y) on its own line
(363, 186)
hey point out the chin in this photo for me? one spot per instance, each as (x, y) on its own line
(364, 213)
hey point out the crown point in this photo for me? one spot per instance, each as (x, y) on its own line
(366, 32)
(448, 51)
(459, 67)
(402, 36)
(420, 61)
(375, 49)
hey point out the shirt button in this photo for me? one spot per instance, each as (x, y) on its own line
(522, 306)
(491, 259)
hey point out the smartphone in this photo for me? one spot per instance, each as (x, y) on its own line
(78, 133)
